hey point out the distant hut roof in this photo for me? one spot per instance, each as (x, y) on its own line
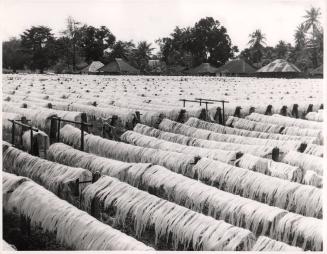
(156, 66)
(93, 67)
(154, 63)
(279, 65)
(318, 71)
(81, 66)
(203, 68)
(236, 66)
(119, 66)
(6, 71)
(177, 68)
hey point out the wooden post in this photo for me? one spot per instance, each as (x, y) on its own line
(251, 110)
(53, 130)
(13, 134)
(283, 111)
(239, 155)
(76, 191)
(295, 112)
(218, 116)
(58, 126)
(275, 154)
(82, 136)
(223, 118)
(23, 129)
(269, 110)
(302, 147)
(138, 116)
(31, 140)
(102, 128)
(180, 117)
(96, 176)
(310, 108)
(203, 115)
(25, 225)
(237, 112)
(159, 120)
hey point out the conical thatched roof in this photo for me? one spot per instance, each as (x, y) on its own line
(119, 66)
(6, 71)
(203, 68)
(318, 71)
(279, 65)
(93, 67)
(236, 66)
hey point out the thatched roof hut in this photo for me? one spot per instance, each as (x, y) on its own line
(157, 66)
(7, 71)
(119, 66)
(279, 68)
(203, 69)
(236, 67)
(92, 68)
(318, 72)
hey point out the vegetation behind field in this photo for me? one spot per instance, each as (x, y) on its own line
(37, 49)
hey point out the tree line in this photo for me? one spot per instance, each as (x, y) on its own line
(306, 54)
(207, 41)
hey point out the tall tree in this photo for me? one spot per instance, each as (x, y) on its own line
(94, 41)
(281, 50)
(39, 44)
(299, 37)
(141, 55)
(312, 25)
(257, 39)
(312, 18)
(12, 55)
(257, 42)
(211, 42)
(72, 35)
(121, 49)
(206, 41)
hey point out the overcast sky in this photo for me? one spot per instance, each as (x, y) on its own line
(152, 19)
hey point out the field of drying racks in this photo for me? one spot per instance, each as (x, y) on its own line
(136, 163)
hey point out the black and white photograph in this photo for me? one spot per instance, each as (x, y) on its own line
(163, 125)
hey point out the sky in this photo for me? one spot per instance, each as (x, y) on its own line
(152, 19)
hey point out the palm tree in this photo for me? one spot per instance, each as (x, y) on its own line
(122, 49)
(144, 50)
(141, 55)
(257, 39)
(72, 33)
(299, 36)
(312, 20)
(312, 23)
(281, 50)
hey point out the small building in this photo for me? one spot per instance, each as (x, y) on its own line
(318, 72)
(204, 69)
(157, 67)
(236, 67)
(92, 68)
(118, 67)
(279, 68)
(7, 71)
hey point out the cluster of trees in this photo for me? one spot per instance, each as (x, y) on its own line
(307, 53)
(79, 45)
(206, 41)
(38, 49)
